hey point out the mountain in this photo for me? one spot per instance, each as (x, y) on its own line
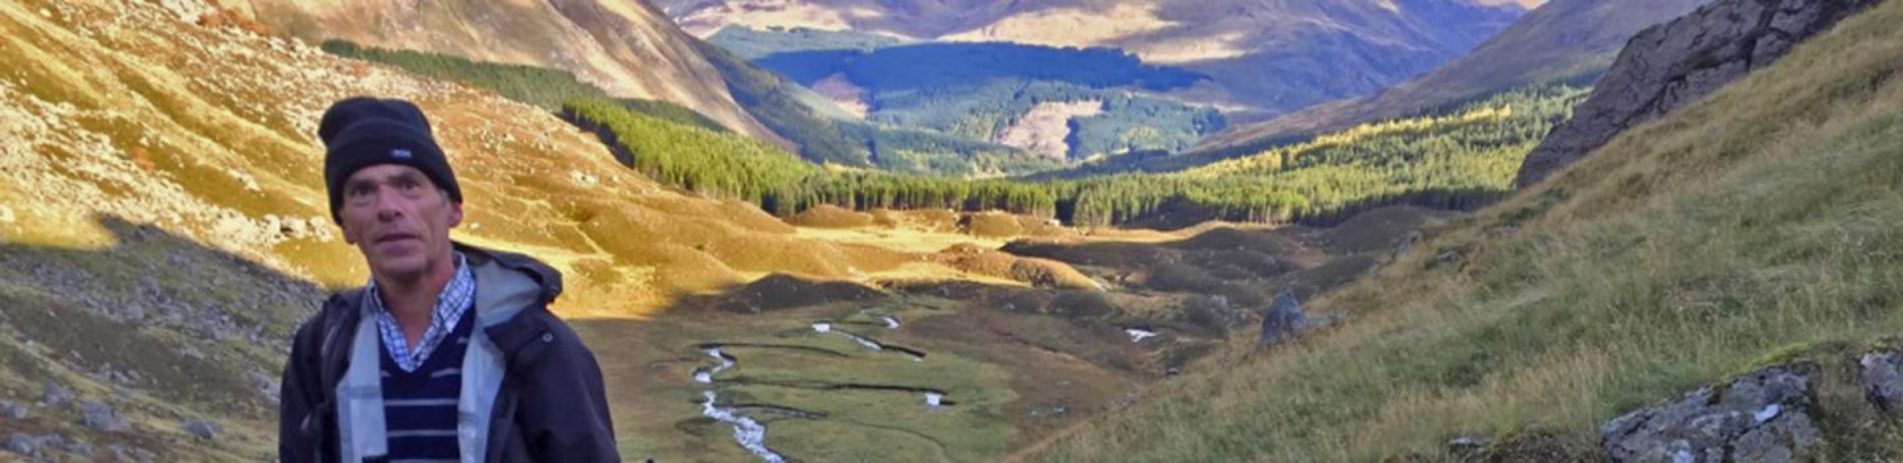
(1064, 104)
(1264, 58)
(163, 228)
(1562, 40)
(623, 46)
(1735, 252)
(163, 225)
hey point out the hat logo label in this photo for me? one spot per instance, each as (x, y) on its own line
(401, 154)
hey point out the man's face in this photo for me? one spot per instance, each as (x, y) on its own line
(399, 219)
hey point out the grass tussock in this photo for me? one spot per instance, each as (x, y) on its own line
(1746, 229)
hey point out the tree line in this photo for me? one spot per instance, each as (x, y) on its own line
(1457, 161)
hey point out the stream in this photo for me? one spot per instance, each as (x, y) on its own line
(868, 343)
(751, 433)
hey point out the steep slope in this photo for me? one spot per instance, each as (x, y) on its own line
(1561, 40)
(624, 46)
(1310, 50)
(1677, 63)
(1733, 232)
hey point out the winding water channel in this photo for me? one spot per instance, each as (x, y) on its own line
(751, 433)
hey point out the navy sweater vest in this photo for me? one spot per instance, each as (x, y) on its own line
(419, 408)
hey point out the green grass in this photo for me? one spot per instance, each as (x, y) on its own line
(1743, 230)
(774, 367)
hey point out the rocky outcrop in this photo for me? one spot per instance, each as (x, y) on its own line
(13, 411)
(204, 430)
(1284, 320)
(1763, 416)
(99, 416)
(1668, 66)
(1791, 412)
(1882, 383)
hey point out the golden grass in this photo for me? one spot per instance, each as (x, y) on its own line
(1760, 219)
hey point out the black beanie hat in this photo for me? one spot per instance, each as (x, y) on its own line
(361, 132)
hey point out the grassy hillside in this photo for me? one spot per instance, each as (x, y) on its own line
(827, 134)
(543, 87)
(979, 91)
(754, 44)
(628, 48)
(1755, 224)
(1459, 161)
(1124, 122)
(163, 228)
(823, 139)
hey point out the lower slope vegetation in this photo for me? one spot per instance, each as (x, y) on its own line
(1758, 222)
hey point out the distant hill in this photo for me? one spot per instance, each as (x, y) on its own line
(1265, 58)
(994, 92)
(1561, 41)
(626, 47)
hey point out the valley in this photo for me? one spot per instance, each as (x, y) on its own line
(910, 365)
(967, 231)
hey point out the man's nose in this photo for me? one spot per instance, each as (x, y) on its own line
(389, 205)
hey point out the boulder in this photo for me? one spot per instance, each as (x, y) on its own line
(1283, 321)
(205, 430)
(1764, 416)
(100, 417)
(55, 394)
(1882, 384)
(12, 411)
(23, 444)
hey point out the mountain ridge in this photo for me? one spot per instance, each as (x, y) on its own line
(1316, 50)
(624, 46)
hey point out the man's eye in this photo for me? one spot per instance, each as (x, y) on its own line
(408, 184)
(361, 191)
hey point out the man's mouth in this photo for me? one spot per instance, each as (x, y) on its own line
(392, 237)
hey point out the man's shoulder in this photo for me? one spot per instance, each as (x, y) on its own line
(558, 337)
(336, 308)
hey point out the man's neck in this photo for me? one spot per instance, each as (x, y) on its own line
(411, 300)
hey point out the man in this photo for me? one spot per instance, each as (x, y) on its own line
(450, 352)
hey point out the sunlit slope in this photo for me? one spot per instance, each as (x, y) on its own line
(1759, 221)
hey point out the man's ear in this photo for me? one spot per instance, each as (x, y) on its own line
(348, 238)
(455, 214)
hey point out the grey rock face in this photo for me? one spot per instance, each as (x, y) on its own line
(1467, 448)
(205, 430)
(23, 444)
(1673, 64)
(98, 416)
(1761, 417)
(55, 394)
(1283, 321)
(80, 447)
(1882, 383)
(12, 411)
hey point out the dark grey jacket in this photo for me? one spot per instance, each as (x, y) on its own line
(542, 388)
